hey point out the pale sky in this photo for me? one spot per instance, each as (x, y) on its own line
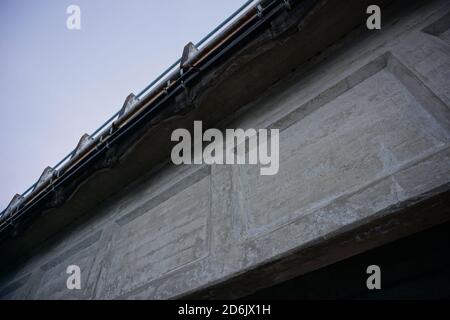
(56, 84)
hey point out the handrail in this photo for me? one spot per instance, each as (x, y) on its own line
(146, 89)
(144, 98)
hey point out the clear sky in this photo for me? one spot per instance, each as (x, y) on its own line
(56, 84)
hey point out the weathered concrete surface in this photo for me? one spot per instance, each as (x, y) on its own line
(364, 159)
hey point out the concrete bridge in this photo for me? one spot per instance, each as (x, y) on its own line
(364, 120)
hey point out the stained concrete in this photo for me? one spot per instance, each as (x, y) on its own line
(364, 159)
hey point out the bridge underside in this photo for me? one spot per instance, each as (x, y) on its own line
(364, 119)
(409, 270)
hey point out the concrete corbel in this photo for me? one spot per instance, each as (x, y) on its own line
(189, 50)
(12, 206)
(129, 103)
(82, 144)
(45, 177)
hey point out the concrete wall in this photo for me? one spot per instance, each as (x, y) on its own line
(365, 130)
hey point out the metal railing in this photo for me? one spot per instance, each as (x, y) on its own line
(148, 88)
